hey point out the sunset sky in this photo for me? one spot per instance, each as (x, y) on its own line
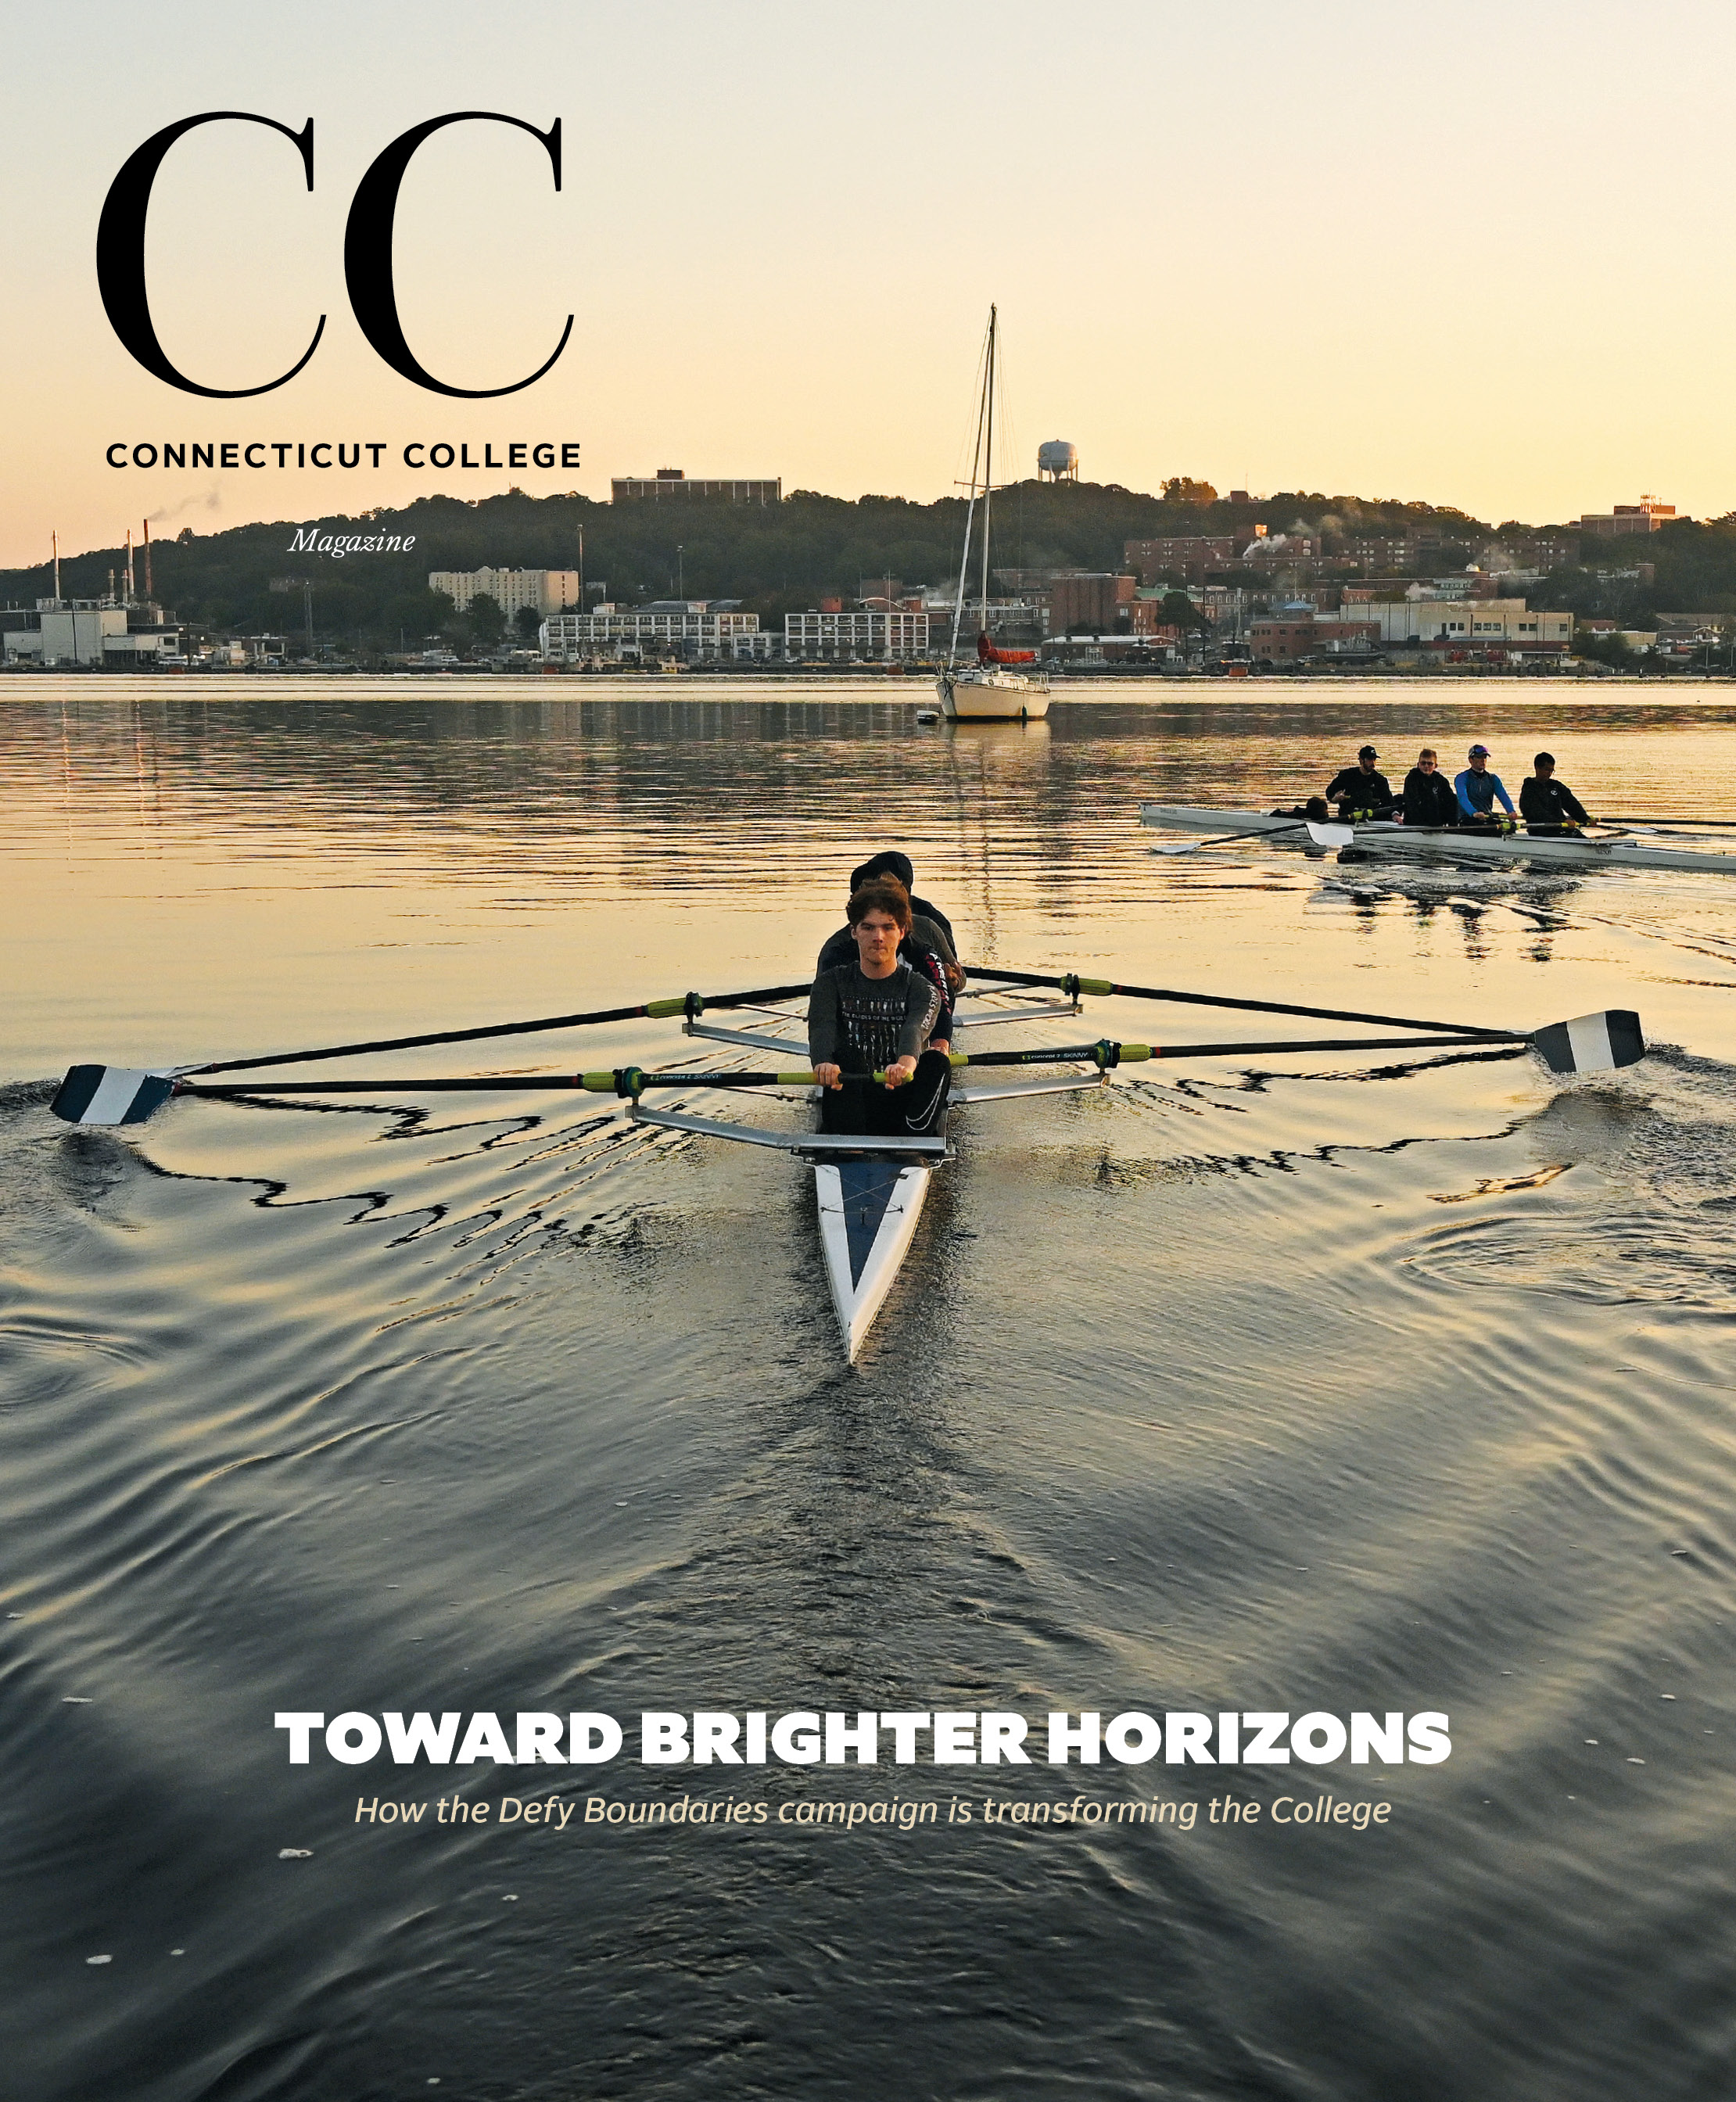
(1477, 254)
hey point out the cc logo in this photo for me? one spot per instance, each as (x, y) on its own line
(367, 252)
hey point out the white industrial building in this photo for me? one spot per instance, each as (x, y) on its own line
(1470, 623)
(867, 635)
(544, 591)
(86, 632)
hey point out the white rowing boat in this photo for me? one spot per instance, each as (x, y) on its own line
(1447, 843)
(869, 1192)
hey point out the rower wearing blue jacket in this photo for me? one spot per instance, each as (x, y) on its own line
(1477, 789)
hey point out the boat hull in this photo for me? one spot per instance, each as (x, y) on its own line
(1451, 844)
(869, 1209)
(991, 696)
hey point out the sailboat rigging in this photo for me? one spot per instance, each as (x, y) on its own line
(990, 690)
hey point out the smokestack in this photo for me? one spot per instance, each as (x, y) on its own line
(129, 565)
(110, 588)
(55, 541)
(148, 592)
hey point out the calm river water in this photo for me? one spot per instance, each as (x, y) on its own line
(1322, 1382)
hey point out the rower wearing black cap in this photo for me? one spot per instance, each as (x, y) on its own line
(1478, 789)
(1358, 790)
(1546, 804)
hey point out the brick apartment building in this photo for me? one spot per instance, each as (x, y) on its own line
(1093, 602)
(1187, 556)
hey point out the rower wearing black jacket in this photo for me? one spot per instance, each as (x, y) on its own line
(1428, 794)
(1358, 790)
(1546, 804)
(898, 866)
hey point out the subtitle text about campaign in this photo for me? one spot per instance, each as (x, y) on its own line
(874, 1815)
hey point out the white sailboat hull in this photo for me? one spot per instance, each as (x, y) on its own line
(992, 695)
(868, 1214)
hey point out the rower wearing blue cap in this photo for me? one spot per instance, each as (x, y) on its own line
(1478, 789)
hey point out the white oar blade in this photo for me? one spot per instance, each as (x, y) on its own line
(1331, 835)
(1592, 1043)
(1178, 846)
(111, 1095)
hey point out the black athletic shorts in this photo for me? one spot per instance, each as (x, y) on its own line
(867, 1106)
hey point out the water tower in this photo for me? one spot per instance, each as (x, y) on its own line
(1058, 460)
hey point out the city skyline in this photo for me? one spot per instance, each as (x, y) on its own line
(1365, 255)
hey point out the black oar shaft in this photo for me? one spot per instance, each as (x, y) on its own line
(652, 1008)
(621, 1081)
(695, 1003)
(1107, 1054)
(1224, 838)
(630, 1081)
(1074, 983)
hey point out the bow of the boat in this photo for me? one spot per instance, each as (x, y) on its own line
(868, 1207)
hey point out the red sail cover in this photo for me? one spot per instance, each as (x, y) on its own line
(987, 654)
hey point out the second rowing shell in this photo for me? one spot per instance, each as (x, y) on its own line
(1449, 842)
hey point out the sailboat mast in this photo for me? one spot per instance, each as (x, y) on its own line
(970, 514)
(988, 472)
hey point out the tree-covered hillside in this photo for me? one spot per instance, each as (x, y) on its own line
(773, 558)
(787, 555)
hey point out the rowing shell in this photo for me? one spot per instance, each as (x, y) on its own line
(869, 1191)
(868, 1214)
(1451, 844)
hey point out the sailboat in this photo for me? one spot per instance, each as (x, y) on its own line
(996, 688)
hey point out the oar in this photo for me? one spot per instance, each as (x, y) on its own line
(1590, 1044)
(126, 1094)
(1073, 985)
(1593, 1043)
(687, 1003)
(1323, 835)
(1717, 824)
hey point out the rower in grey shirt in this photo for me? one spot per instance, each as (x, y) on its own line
(864, 1024)
(876, 1014)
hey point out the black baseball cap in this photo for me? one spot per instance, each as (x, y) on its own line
(890, 863)
(1368, 751)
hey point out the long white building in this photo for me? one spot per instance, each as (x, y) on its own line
(685, 628)
(1471, 623)
(878, 636)
(544, 591)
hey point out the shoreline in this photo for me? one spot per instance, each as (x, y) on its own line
(1215, 696)
(860, 674)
